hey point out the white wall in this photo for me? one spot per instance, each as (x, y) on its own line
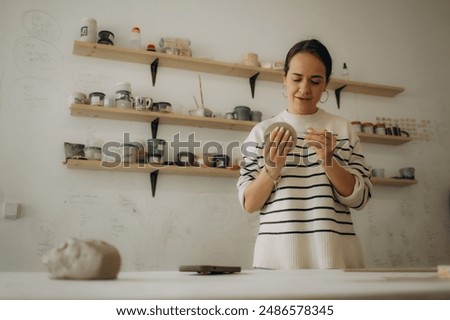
(198, 219)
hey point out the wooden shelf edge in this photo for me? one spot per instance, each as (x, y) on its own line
(365, 87)
(149, 168)
(392, 182)
(216, 67)
(383, 139)
(83, 110)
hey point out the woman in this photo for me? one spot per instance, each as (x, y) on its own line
(304, 189)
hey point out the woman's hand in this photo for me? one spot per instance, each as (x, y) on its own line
(278, 145)
(324, 142)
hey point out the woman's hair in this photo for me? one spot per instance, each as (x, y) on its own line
(314, 47)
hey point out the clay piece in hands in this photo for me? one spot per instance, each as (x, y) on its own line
(83, 260)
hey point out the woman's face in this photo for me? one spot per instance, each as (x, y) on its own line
(305, 82)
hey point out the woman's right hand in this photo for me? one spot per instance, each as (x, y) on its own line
(276, 149)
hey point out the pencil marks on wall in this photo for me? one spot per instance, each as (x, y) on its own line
(44, 233)
(41, 25)
(35, 55)
(37, 58)
(34, 98)
(215, 209)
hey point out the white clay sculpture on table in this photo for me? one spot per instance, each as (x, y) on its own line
(83, 260)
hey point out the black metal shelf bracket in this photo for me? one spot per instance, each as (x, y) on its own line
(337, 93)
(154, 70)
(252, 83)
(153, 181)
(154, 126)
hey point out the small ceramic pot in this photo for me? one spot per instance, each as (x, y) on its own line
(378, 172)
(407, 173)
(242, 113)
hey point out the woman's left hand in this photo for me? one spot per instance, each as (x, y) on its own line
(324, 142)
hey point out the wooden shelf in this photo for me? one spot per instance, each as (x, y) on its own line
(102, 51)
(383, 139)
(158, 59)
(365, 87)
(193, 171)
(83, 110)
(393, 182)
(149, 168)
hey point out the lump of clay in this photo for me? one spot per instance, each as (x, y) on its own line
(83, 259)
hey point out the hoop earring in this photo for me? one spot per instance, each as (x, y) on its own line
(326, 98)
(283, 91)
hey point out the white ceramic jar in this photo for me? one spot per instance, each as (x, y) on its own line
(123, 95)
(88, 31)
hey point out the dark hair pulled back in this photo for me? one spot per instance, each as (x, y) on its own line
(314, 47)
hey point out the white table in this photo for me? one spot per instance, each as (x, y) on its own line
(249, 284)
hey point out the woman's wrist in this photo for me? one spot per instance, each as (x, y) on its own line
(274, 178)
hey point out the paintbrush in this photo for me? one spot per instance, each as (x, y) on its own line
(201, 91)
(198, 107)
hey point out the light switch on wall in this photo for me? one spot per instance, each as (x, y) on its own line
(11, 210)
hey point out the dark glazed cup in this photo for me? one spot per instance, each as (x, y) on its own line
(242, 113)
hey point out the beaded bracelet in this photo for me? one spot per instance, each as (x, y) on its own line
(275, 181)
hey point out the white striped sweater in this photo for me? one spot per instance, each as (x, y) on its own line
(305, 222)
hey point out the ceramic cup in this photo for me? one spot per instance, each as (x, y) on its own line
(96, 98)
(396, 131)
(156, 147)
(143, 103)
(407, 173)
(77, 98)
(229, 115)
(221, 160)
(242, 113)
(256, 116)
(109, 101)
(378, 172)
(208, 159)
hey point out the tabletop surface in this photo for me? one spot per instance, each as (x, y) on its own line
(248, 284)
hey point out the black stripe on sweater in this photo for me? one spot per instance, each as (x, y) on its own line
(303, 198)
(307, 220)
(307, 232)
(306, 209)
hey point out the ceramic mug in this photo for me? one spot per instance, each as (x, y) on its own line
(396, 131)
(407, 173)
(242, 113)
(229, 115)
(143, 103)
(256, 116)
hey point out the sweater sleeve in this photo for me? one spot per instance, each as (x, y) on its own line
(252, 160)
(356, 165)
